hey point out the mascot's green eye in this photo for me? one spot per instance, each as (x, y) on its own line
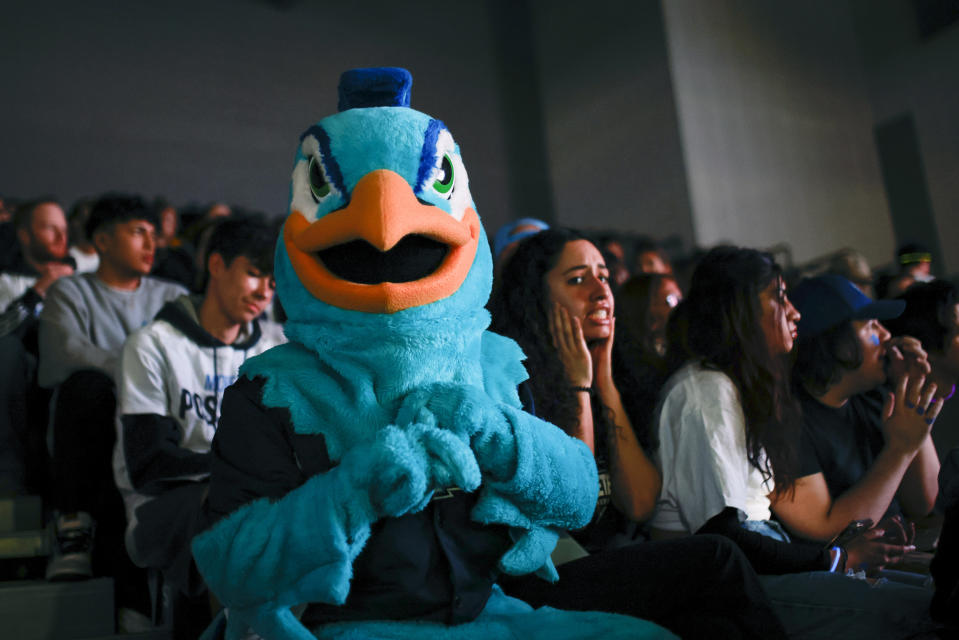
(444, 183)
(319, 186)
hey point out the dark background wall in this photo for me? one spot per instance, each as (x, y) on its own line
(912, 68)
(206, 100)
(616, 160)
(776, 126)
(737, 120)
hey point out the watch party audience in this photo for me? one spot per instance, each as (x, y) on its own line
(761, 464)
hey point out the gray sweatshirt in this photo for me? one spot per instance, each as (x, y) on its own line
(85, 322)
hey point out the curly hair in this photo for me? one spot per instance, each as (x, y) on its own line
(721, 326)
(519, 307)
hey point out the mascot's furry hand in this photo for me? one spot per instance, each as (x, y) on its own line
(390, 472)
(470, 415)
(398, 472)
(512, 449)
(449, 460)
(390, 476)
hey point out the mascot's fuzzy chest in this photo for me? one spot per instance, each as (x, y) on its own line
(347, 392)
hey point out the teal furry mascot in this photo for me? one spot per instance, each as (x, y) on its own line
(377, 473)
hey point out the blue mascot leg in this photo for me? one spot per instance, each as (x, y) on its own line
(506, 618)
(265, 621)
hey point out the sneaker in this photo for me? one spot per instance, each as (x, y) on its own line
(72, 545)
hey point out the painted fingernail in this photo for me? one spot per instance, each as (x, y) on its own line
(910, 405)
(930, 420)
(919, 410)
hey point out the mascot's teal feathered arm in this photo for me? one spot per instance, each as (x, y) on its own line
(270, 555)
(536, 479)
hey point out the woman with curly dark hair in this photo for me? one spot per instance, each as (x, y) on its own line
(728, 430)
(556, 303)
(554, 300)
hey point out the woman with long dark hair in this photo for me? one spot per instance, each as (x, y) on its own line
(554, 300)
(728, 430)
(740, 326)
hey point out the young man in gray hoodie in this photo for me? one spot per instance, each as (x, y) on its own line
(84, 322)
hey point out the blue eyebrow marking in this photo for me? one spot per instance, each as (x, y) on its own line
(428, 154)
(326, 157)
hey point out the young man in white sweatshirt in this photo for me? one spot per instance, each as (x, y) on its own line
(172, 376)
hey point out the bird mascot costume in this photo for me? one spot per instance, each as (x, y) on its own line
(372, 477)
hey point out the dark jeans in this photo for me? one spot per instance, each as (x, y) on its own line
(24, 464)
(697, 587)
(165, 526)
(84, 432)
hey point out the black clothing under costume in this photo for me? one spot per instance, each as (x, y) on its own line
(435, 564)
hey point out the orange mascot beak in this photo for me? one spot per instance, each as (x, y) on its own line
(385, 233)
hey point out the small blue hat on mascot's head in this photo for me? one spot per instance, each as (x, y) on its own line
(378, 87)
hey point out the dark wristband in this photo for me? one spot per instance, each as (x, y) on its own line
(31, 298)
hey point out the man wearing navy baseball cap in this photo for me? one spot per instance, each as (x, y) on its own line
(867, 412)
